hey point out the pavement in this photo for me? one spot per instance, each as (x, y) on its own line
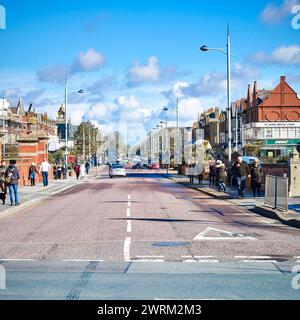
(145, 237)
(30, 196)
(254, 204)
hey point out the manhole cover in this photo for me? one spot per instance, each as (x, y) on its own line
(170, 244)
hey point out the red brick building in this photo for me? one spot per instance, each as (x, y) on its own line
(272, 119)
(25, 135)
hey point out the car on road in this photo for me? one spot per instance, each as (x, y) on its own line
(117, 170)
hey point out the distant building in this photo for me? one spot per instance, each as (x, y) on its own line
(209, 121)
(272, 119)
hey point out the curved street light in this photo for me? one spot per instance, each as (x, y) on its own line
(226, 51)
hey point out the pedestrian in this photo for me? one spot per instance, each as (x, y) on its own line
(3, 185)
(12, 181)
(191, 170)
(82, 171)
(212, 173)
(229, 176)
(241, 172)
(58, 168)
(87, 167)
(55, 171)
(64, 171)
(32, 173)
(77, 170)
(44, 168)
(221, 175)
(200, 172)
(256, 177)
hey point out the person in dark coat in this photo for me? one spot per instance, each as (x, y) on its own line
(256, 177)
(32, 174)
(221, 175)
(241, 172)
(87, 167)
(12, 180)
(212, 173)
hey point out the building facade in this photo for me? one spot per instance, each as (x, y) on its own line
(272, 119)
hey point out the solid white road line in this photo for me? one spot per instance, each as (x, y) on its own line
(128, 212)
(129, 197)
(127, 249)
(17, 260)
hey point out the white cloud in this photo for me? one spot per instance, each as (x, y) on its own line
(138, 74)
(283, 55)
(88, 61)
(130, 102)
(100, 111)
(273, 13)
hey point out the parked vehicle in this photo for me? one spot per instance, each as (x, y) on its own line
(117, 170)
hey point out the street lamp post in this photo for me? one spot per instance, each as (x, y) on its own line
(228, 53)
(66, 119)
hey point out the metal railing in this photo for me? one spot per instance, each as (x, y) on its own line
(276, 192)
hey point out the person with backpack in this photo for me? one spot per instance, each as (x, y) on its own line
(221, 175)
(12, 180)
(32, 173)
(3, 185)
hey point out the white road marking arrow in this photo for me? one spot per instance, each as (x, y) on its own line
(229, 235)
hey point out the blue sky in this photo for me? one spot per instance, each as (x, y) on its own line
(134, 57)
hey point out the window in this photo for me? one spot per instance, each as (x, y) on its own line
(276, 133)
(292, 133)
(268, 133)
(284, 133)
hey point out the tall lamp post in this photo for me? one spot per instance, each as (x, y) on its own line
(66, 119)
(226, 51)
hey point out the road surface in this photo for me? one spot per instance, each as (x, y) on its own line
(145, 237)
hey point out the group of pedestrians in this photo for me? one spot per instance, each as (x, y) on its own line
(82, 169)
(9, 179)
(236, 176)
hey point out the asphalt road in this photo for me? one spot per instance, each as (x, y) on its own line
(145, 237)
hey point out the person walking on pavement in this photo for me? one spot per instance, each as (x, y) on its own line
(212, 173)
(45, 168)
(221, 175)
(3, 185)
(87, 167)
(82, 171)
(77, 170)
(241, 172)
(64, 171)
(12, 180)
(256, 177)
(32, 173)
